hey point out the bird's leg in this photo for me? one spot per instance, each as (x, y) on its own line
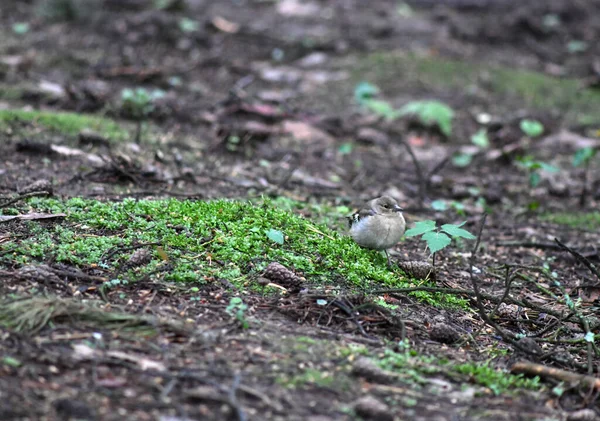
(388, 258)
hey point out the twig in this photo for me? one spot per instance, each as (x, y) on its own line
(232, 398)
(24, 196)
(579, 257)
(555, 373)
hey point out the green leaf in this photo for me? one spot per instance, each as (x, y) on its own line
(534, 179)
(431, 113)
(531, 128)
(10, 361)
(462, 160)
(547, 167)
(457, 231)
(589, 337)
(188, 25)
(379, 107)
(582, 156)
(345, 148)
(20, 28)
(439, 205)
(275, 236)
(421, 227)
(365, 91)
(436, 241)
(577, 46)
(481, 139)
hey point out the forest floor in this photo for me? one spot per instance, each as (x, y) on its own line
(174, 186)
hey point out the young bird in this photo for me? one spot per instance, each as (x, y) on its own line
(378, 225)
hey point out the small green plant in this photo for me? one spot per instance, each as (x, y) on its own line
(365, 93)
(531, 128)
(188, 25)
(533, 167)
(137, 104)
(464, 159)
(583, 156)
(438, 238)
(20, 28)
(430, 113)
(237, 308)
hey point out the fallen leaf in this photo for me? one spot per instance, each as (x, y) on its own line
(32, 216)
(225, 25)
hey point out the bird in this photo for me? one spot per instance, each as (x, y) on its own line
(378, 225)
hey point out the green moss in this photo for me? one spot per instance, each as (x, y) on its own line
(205, 242)
(589, 220)
(65, 123)
(417, 367)
(395, 72)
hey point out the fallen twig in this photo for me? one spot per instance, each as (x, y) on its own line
(555, 373)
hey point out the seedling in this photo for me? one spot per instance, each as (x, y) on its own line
(138, 104)
(438, 238)
(430, 113)
(238, 309)
(534, 167)
(531, 128)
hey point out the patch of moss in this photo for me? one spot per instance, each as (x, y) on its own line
(205, 242)
(65, 123)
(394, 72)
(589, 220)
(416, 367)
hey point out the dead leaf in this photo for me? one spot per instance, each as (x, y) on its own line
(297, 8)
(305, 132)
(32, 216)
(225, 25)
(142, 362)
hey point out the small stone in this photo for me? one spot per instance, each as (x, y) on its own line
(365, 368)
(372, 136)
(444, 333)
(371, 408)
(583, 415)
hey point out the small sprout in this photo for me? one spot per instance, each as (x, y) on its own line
(20, 28)
(462, 160)
(531, 128)
(577, 46)
(275, 235)
(481, 139)
(551, 20)
(431, 113)
(583, 156)
(11, 361)
(238, 309)
(139, 103)
(533, 167)
(365, 91)
(188, 25)
(345, 148)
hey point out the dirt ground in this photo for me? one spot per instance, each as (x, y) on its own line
(258, 100)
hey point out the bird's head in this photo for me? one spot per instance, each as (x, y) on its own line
(387, 205)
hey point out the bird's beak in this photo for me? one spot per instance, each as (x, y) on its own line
(397, 208)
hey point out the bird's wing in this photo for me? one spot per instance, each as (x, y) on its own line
(363, 213)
